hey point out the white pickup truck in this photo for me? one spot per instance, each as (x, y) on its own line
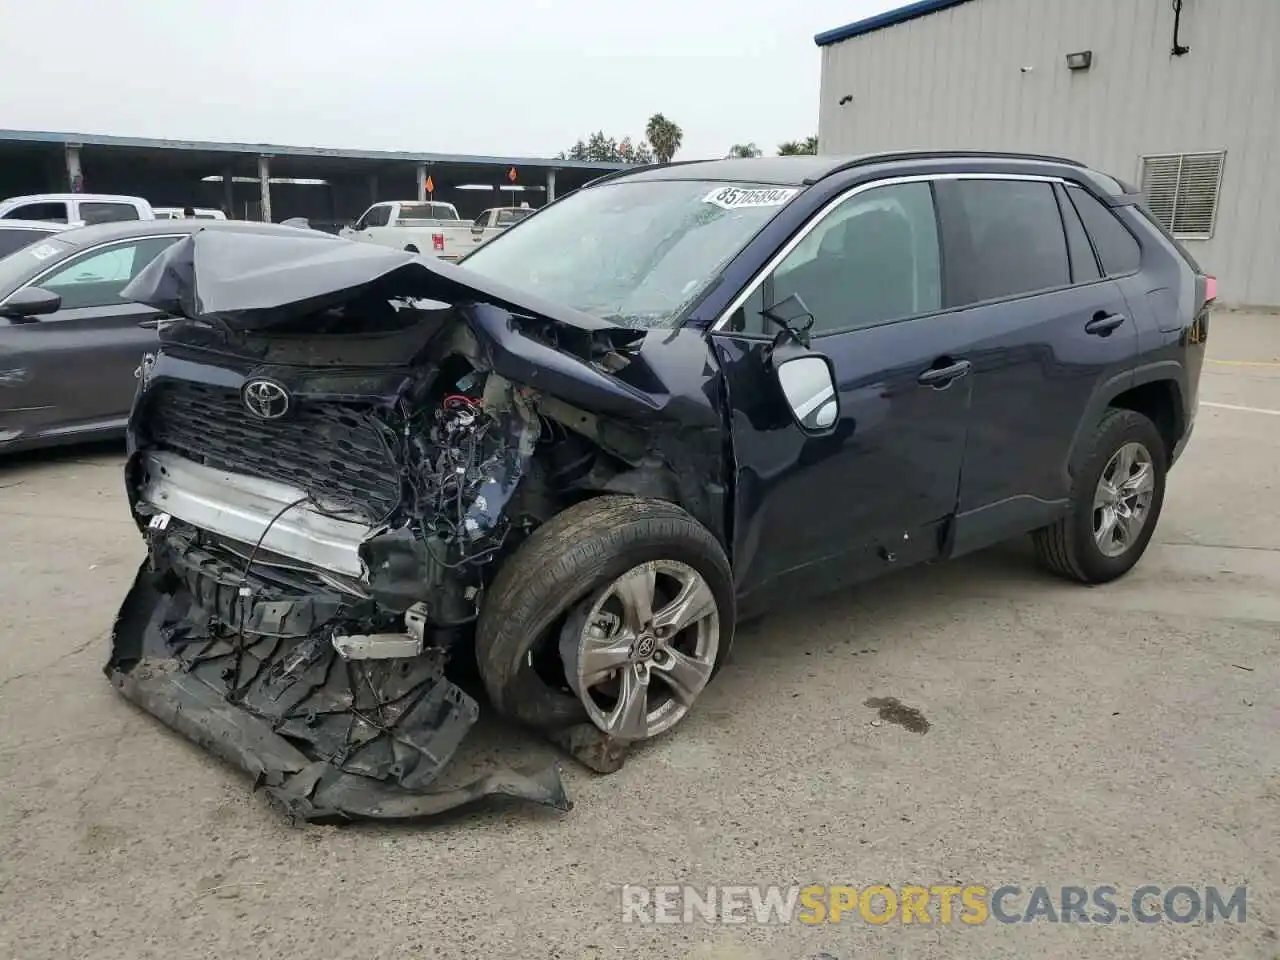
(430, 227)
(427, 227)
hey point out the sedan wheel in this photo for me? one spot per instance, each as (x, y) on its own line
(645, 648)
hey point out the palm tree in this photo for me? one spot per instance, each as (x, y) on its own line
(664, 136)
(744, 150)
(796, 148)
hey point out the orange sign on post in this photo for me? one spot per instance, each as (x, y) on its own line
(431, 184)
(511, 174)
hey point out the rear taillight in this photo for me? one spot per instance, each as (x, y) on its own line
(1210, 289)
(437, 241)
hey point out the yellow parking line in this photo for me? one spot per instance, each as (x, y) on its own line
(1248, 363)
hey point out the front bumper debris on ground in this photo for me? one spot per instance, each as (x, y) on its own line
(325, 738)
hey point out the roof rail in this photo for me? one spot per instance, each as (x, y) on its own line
(613, 175)
(897, 155)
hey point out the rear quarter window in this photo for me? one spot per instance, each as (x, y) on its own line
(1117, 249)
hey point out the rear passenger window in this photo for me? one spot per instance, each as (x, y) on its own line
(1019, 246)
(1117, 249)
(99, 212)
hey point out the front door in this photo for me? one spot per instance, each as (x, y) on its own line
(74, 369)
(876, 493)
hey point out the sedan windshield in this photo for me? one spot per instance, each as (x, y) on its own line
(636, 253)
(19, 266)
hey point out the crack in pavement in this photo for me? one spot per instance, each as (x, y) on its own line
(1215, 546)
(53, 663)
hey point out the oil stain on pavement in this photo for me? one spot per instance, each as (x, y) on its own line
(895, 711)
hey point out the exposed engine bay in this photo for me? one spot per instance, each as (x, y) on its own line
(327, 486)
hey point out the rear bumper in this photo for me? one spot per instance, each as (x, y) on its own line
(326, 739)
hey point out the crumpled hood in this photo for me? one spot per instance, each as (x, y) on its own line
(249, 281)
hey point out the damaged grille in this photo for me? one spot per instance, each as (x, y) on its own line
(340, 453)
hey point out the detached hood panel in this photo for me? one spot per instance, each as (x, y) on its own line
(248, 281)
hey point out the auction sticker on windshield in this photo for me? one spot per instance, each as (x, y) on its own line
(731, 198)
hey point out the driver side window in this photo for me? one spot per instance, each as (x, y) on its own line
(872, 260)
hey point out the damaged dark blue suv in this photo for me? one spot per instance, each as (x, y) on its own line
(660, 405)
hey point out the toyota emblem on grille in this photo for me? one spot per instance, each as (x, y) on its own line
(266, 399)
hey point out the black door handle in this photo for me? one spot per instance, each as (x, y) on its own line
(1103, 323)
(942, 376)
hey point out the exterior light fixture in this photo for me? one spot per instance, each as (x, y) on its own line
(1082, 60)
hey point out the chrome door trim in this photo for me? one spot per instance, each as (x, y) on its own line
(772, 263)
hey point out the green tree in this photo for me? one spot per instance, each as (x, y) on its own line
(796, 148)
(605, 149)
(744, 150)
(665, 136)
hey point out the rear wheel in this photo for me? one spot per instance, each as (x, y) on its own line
(1115, 504)
(618, 610)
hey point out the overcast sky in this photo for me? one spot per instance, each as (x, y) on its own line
(514, 77)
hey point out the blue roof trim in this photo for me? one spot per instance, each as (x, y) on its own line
(911, 11)
(271, 149)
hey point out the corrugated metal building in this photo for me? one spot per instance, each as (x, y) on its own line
(1179, 96)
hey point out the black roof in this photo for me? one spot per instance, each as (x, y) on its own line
(806, 169)
(124, 229)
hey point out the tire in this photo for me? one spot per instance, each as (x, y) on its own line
(1068, 547)
(564, 564)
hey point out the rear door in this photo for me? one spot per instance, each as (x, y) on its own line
(813, 512)
(1049, 332)
(78, 363)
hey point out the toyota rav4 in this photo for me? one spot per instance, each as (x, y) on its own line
(665, 403)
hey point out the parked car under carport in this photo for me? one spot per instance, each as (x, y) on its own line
(69, 343)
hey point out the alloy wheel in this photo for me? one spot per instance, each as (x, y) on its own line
(644, 650)
(1122, 500)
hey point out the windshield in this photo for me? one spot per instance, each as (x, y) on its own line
(636, 253)
(19, 266)
(427, 211)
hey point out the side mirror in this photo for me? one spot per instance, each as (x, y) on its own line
(477, 228)
(809, 386)
(30, 302)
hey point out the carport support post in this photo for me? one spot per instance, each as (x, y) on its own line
(75, 180)
(551, 185)
(264, 186)
(422, 182)
(229, 193)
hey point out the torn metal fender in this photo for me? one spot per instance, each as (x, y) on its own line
(167, 669)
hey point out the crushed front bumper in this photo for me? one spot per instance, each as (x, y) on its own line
(258, 683)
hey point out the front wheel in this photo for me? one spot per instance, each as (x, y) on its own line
(1115, 503)
(618, 610)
